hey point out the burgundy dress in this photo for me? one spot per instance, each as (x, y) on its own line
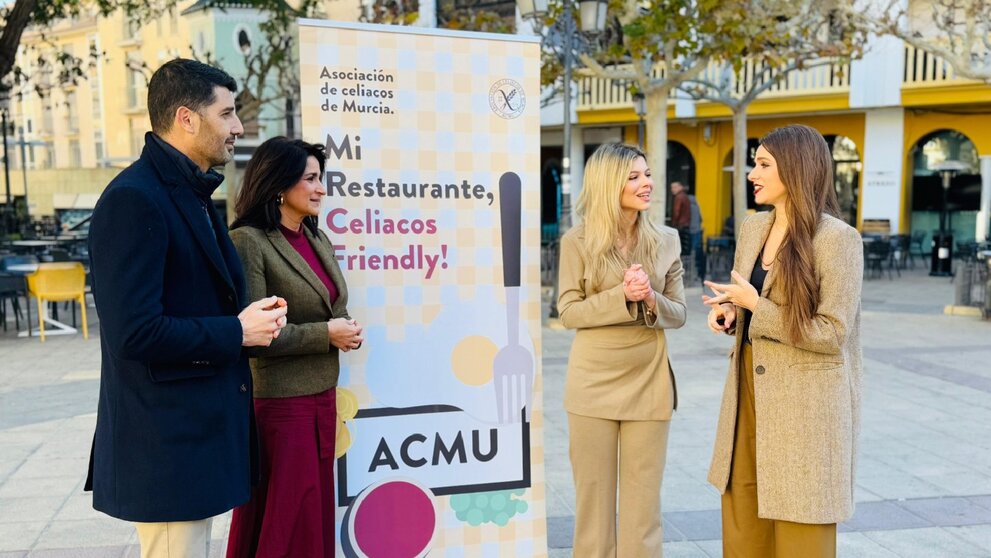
(291, 511)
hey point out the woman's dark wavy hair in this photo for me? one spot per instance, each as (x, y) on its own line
(275, 167)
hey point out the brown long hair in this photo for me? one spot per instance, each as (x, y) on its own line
(805, 166)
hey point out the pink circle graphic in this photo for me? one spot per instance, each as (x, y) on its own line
(393, 519)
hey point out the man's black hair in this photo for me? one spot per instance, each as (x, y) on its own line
(183, 83)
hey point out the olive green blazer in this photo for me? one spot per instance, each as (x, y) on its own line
(301, 361)
(807, 396)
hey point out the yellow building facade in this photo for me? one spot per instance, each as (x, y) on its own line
(890, 118)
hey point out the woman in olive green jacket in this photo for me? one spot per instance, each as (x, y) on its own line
(291, 513)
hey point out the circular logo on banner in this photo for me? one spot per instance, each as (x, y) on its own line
(506, 98)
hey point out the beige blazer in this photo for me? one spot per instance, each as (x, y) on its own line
(618, 367)
(301, 361)
(807, 395)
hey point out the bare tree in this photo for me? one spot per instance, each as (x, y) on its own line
(959, 31)
(755, 56)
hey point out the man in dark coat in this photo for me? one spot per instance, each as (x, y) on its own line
(173, 443)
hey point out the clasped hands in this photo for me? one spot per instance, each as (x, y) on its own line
(636, 286)
(727, 297)
(345, 334)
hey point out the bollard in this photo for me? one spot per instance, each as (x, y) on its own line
(963, 281)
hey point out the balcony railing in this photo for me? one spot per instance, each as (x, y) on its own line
(925, 69)
(604, 94)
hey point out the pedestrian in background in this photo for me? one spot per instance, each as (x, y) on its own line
(173, 442)
(291, 512)
(786, 442)
(621, 287)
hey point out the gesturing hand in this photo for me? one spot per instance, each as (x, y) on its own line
(740, 292)
(345, 334)
(262, 320)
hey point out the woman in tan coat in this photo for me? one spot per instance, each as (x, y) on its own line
(787, 435)
(620, 287)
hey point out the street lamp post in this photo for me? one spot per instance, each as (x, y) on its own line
(941, 256)
(562, 33)
(640, 107)
(8, 208)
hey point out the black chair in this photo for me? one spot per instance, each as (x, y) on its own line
(878, 254)
(916, 248)
(720, 250)
(12, 288)
(687, 257)
(15, 286)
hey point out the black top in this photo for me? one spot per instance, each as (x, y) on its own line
(757, 277)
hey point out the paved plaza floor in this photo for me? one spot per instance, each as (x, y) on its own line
(923, 484)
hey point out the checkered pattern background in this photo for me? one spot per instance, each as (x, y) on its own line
(442, 131)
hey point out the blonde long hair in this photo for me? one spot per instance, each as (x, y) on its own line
(606, 174)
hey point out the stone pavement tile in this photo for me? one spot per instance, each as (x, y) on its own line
(20, 535)
(984, 501)
(91, 552)
(933, 542)
(29, 509)
(979, 535)
(103, 531)
(712, 549)
(946, 512)
(40, 467)
(697, 525)
(875, 516)
(78, 507)
(17, 554)
(38, 487)
(683, 550)
(858, 545)
(895, 485)
(960, 483)
(560, 531)
(923, 464)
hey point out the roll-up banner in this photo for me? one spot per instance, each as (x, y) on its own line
(432, 205)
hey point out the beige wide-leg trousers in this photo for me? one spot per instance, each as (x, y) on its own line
(175, 539)
(628, 454)
(744, 534)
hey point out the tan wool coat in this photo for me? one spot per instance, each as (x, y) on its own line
(301, 361)
(807, 396)
(618, 368)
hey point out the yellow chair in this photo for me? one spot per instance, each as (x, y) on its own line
(57, 282)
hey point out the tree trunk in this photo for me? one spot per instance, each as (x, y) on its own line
(657, 150)
(739, 166)
(17, 20)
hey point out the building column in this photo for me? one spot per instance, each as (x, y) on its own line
(881, 193)
(984, 214)
(577, 167)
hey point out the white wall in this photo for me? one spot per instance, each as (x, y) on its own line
(881, 194)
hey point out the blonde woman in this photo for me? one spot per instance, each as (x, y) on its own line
(787, 436)
(620, 288)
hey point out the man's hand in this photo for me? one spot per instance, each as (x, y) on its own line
(345, 334)
(262, 320)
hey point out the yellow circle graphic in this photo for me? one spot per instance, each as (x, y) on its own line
(472, 360)
(347, 404)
